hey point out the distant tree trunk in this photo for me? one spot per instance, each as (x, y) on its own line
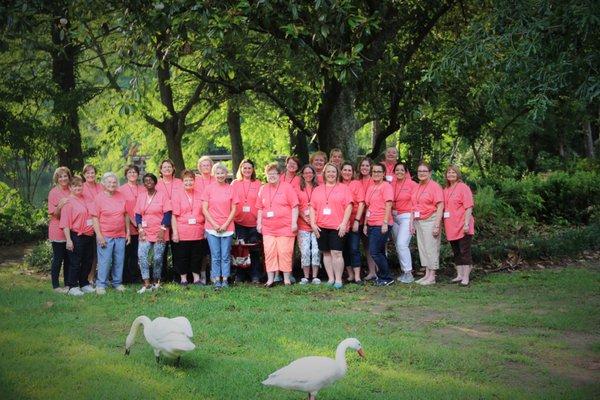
(375, 131)
(588, 139)
(173, 132)
(298, 145)
(337, 123)
(64, 54)
(478, 159)
(234, 125)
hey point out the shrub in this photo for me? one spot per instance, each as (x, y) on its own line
(19, 221)
(40, 257)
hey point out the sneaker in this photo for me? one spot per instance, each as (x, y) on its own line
(87, 289)
(184, 284)
(303, 281)
(292, 279)
(62, 290)
(224, 284)
(278, 278)
(406, 277)
(337, 285)
(425, 283)
(120, 288)
(100, 291)
(217, 285)
(316, 281)
(199, 283)
(145, 289)
(75, 291)
(383, 282)
(156, 286)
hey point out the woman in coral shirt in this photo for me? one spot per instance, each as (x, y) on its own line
(205, 178)
(290, 175)
(318, 160)
(91, 188)
(364, 177)
(246, 188)
(77, 225)
(428, 205)
(131, 190)
(57, 198)
(310, 257)
(459, 223)
(278, 222)
(352, 244)
(219, 204)
(378, 203)
(189, 245)
(330, 209)
(401, 210)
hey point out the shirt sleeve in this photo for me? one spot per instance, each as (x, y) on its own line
(467, 195)
(65, 216)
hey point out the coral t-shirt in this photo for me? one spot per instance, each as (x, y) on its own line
(131, 194)
(55, 234)
(187, 210)
(90, 191)
(403, 195)
(200, 183)
(220, 198)
(295, 181)
(247, 193)
(276, 203)
(365, 182)
(169, 187)
(456, 202)
(152, 209)
(329, 204)
(358, 196)
(376, 197)
(304, 199)
(76, 217)
(425, 198)
(110, 211)
(390, 175)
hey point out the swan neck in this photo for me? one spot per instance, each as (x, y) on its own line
(340, 357)
(142, 320)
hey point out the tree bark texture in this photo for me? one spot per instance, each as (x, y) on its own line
(588, 139)
(234, 124)
(298, 144)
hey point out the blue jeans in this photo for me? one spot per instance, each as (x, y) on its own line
(250, 235)
(377, 242)
(220, 255)
(352, 249)
(110, 258)
(144, 248)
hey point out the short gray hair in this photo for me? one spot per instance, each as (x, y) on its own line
(107, 175)
(219, 166)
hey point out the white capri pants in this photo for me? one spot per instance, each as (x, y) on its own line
(309, 249)
(401, 235)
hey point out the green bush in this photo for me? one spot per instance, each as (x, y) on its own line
(19, 221)
(40, 257)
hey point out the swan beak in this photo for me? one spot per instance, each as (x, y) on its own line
(126, 352)
(361, 352)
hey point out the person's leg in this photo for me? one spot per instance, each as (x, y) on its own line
(372, 274)
(88, 249)
(196, 254)
(457, 261)
(315, 258)
(377, 241)
(159, 253)
(59, 250)
(180, 261)
(328, 264)
(353, 241)
(104, 263)
(270, 248)
(75, 258)
(347, 258)
(226, 257)
(285, 250)
(466, 258)
(402, 246)
(304, 247)
(214, 242)
(118, 255)
(337, 260)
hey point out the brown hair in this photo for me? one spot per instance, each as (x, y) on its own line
(59, 171)
(239, 176)
(166, 160)
(367, 159)
(455, 169)
(317, 153)
(131, 167)
(86, 167)
(271, 166)
(189, 173)
(76, 181)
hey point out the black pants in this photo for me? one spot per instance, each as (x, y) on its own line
(59, 258)
(80, 259)
(250, 235)
(188, 256)
(131, 268)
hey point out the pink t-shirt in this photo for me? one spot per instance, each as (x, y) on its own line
(220, 199)
(169, 187)
(358, 196)
(425, 198)
(131, 194)
(90, 191)
(456, 202)
(295, 181)
(320, 178)
(110, 211)
(55, 234)
(365, 182)
(200, 183)
(329, 204)
(187, 209)
(247, 193)
(152, 209)
(76, 216)
(390, 175)
(304, 199)
(376, 197)
(276, 203)
(403, 195)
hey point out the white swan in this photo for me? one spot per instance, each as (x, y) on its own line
(169, 337)
(311, 374)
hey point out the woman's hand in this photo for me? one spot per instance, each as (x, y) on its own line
(384, 228)
(160, 236)
(355, 226)
(69, 245)
(342, 230)
(101, 241)
(365, 229)
(316, 230)
(294, 227)
(175, 237)
(466, 229)
(436, 231)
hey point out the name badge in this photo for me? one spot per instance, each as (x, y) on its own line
(327, 211)
(144, 224)
(368, 214)
(446, 214)
(389, 178)
(192, 221)
(89, 222)
(417, 214)
(270, 214)
(246, 209)
(307, 212)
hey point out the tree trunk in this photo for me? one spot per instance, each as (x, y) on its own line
(298, 145)
(588, 139)
(64, 55)
(478, 159)
(173, 133)
(234, 125)
(337, 123)
(375, 131)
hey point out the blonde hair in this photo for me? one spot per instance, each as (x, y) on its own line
(270, 166)
(76, 181)
(219, 166)
(337, 171)
(59, 171)
(455, 169)
(317, 153)
(205, 158)
(88, 166)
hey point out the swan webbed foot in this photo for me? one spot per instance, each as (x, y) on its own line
(126, 352)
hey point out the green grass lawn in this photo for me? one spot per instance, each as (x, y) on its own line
(522, 335)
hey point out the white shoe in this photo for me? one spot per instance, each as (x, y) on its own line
(62, 290)
(145, 289)
(316, 281)
(87, 289)
(120, 288)
(303, 281)
(156, 286)
(426, 283)
(100, 291)
(75, 291)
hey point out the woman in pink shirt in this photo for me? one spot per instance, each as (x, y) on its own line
(378, 218)
(219, 204)
(352, 243)
(277, 220)
(57, 198)
(390, 160)
(168, 184)
(401, 210)
(336, 157)
(153, 214)
(205, 178)
(189, 245)
(111, 225)
(364, 177)
(246, 188)
(131, 190)
(307, 241)
(90, 187)
(459, 223)
(76, 223)
(290, 175)
(428, 205)
(318, 160)
(330, 209)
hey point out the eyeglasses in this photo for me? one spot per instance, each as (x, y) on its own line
(424, 171)
(377, 172)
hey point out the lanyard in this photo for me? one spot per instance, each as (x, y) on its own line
(272, 197)
(422, 191)
(246, 191)
(327, 195)
(309, 196)
(446, 199)
(137, 190)
(166, 190)
(397, 192)
(190, 200)
(291, 180)
(148, 202)
(375, 189)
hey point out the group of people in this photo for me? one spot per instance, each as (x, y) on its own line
(110, 235)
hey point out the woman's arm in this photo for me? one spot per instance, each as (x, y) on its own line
(439, 212)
